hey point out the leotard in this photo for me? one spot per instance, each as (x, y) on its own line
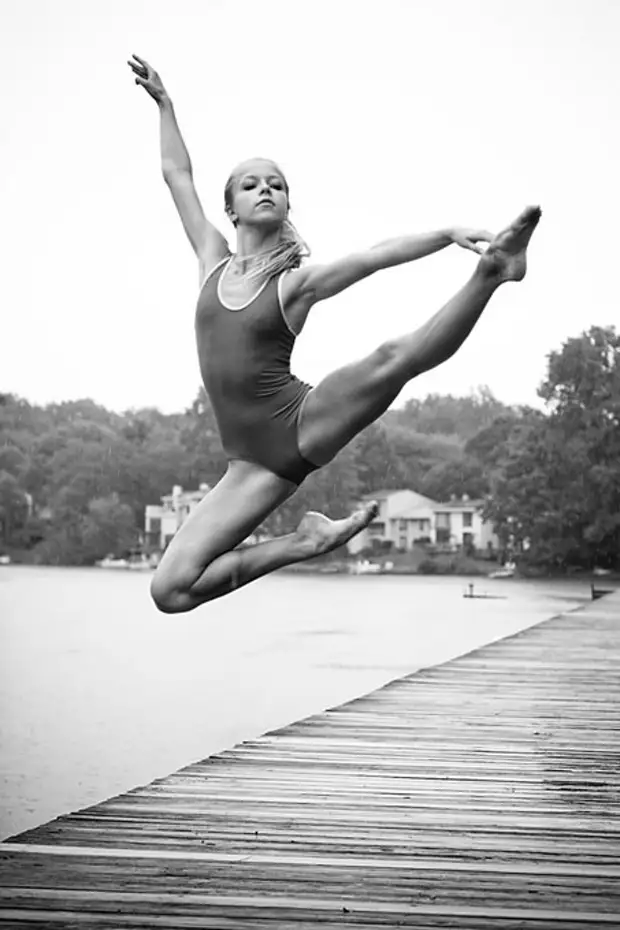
(244, 355)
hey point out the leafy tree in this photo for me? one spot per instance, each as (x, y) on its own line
(583, 379)
(557, 489)
(13, 506)
(417, 452)
(450, 416)
(108, 527)
(12, 459)
(487, 445)
(200, 440)
(375, 460)
(458, 477)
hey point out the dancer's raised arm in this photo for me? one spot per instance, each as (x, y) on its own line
(207, 241)
(318, 282)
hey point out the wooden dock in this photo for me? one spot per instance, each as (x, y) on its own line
(483, 793)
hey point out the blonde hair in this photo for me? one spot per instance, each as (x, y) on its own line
(288, 253)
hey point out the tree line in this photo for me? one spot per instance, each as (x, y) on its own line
(75, 478)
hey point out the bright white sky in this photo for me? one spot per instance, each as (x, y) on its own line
(388, 118)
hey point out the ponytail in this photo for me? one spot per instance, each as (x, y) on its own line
(288, 253)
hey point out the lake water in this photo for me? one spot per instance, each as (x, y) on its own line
(99, 692)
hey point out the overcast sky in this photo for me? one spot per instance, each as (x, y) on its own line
(388, 118)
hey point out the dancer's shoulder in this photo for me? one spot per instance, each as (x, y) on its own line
(209, 263)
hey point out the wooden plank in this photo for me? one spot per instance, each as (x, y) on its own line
(248, 906)
(9, 851)
(254, 918)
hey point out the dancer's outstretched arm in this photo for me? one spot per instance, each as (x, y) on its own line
(207, 241)
(318, 282)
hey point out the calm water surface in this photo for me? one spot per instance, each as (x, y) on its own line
(100, 693)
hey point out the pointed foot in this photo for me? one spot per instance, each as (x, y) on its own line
(506, 256)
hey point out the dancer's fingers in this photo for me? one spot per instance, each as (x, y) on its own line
(471, 245)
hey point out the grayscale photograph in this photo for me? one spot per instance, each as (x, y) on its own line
(309, 465)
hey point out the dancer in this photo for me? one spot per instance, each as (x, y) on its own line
(275, 429)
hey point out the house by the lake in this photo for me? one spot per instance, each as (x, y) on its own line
(406, 517)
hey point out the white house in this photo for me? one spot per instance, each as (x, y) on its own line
(403, 518)
(161, 521)
(406, 517)
(459, 523)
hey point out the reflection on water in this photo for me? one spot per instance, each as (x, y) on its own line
(99, 692)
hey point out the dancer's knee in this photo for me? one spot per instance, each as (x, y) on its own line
(170, 597)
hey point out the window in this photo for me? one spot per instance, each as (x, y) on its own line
(154, 525)
(467, 519)
(402, 526)
(443, 521)
(376, 529)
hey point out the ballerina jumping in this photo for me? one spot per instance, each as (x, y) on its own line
(275, 429)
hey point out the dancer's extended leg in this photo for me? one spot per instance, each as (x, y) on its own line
(349, 399)
(201, 562)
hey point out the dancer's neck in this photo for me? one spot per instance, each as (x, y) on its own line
(254, 242)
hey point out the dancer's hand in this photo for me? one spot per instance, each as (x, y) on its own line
(469, 238)
(148, 78)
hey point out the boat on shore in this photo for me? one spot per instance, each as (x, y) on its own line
(365, 567)
(111, 562)
(508, 571)
(141, 563)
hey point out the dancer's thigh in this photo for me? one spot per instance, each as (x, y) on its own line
(228, 513)
(346, 402)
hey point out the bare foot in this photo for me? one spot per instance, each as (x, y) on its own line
(317, 534)
(505, 257)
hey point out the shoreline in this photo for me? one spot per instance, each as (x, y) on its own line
(340, 567)
(346, 568)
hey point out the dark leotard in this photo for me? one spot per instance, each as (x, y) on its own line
(244, 357)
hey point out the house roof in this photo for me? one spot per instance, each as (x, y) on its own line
(459, 505)
(383, 494)
(413, 513)
(410, 512)
(414, 507)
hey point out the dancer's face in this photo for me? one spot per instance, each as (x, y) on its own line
(259, 194)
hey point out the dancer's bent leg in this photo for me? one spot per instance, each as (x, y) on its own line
(349, 399)
(201, 562)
